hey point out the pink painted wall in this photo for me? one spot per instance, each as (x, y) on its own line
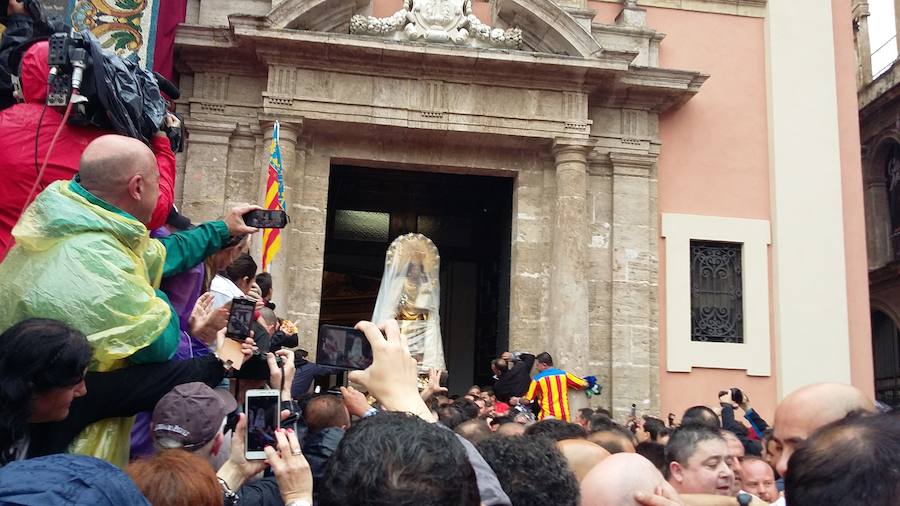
(861, 367)
(714, 161)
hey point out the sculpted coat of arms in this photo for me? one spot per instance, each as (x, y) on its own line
(438, 21)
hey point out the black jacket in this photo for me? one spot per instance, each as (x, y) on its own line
(515, 382)
(124, 392)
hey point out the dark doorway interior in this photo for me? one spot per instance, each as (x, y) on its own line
(886, 354)
(468, 218)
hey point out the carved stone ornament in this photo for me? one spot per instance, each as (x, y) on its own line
(437, 21)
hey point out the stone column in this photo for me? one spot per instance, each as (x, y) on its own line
(568, 308)
(206, 161)
(633, 284)
(863, 46)
(241, 181)
(280, 265)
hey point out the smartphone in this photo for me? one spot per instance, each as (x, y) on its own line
(266, 218)
(240, 318)
(263, 417)
(343, 348)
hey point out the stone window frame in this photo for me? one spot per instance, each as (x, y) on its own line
(682, 354)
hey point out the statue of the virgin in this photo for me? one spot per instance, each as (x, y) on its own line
(410, 293)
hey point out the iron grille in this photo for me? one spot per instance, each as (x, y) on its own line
(717, 309)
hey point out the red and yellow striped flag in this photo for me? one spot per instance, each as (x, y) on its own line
(271, 237)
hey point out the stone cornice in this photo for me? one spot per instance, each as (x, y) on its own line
(749, 8)
(881, 92)
(608, 76)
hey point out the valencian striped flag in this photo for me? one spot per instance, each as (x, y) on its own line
(271, 237)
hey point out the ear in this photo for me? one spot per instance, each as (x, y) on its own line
(676, 471)
(217, 444)
(136, 187)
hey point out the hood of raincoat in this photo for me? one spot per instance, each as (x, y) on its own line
(88, 266)
(34, 72)
(63, 480)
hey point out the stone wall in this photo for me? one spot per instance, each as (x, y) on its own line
(577, 132)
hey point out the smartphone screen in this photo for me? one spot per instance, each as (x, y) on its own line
(343, 348)
(266, 218)
(262, 407)
(240, 318)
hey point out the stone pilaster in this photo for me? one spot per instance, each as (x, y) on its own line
(241, 181)
(529, 273)
(568, 304)
(633, 284)
(204, 171)
(305, 258)
(600, 277)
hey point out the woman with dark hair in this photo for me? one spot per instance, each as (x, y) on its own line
(47, 397)
(235, 281)
(42, 368)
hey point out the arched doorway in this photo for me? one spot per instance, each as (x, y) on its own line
(886, 355)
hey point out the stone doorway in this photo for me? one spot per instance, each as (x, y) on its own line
(469, 219)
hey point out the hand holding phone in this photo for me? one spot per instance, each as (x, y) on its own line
(240, 318)
(343, 348)
(266, 218)
(263, 407)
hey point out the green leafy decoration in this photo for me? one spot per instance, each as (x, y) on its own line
(127, 5)
(122, 39)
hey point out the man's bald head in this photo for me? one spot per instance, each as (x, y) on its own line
(123, 172)
(615, 480)
(809, 408)
(582, 455)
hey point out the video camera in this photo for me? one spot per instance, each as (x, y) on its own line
(106, 91)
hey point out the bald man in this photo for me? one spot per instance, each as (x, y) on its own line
(617, 479)
(758, 478)
(84, 257)
(582, 455)
(805, 410)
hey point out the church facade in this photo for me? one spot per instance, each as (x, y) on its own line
(678, 182)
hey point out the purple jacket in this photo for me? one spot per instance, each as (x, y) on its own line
(183, 291)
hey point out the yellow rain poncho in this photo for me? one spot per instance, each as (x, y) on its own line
(96, 269)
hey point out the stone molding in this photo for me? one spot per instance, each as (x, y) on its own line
(209, 132)
(682, 353)
(632, 164)
(317, 15)
(547, 27)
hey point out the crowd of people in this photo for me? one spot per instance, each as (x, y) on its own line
(119, 385)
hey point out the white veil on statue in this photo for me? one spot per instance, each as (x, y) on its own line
(410, 292)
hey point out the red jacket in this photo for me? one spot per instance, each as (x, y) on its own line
(18, 129)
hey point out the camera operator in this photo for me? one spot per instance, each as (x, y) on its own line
(26, 132)
(20, 28)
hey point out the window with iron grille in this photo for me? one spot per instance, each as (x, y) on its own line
(717, 310)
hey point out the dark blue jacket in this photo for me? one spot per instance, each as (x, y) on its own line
(67, 480)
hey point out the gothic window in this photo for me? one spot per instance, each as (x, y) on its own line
(892, 173)
(717, 312)
(886, 354)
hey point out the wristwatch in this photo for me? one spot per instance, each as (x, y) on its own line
(744, 499)
(230, 498)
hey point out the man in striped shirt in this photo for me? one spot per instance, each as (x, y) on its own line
(551, 387)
